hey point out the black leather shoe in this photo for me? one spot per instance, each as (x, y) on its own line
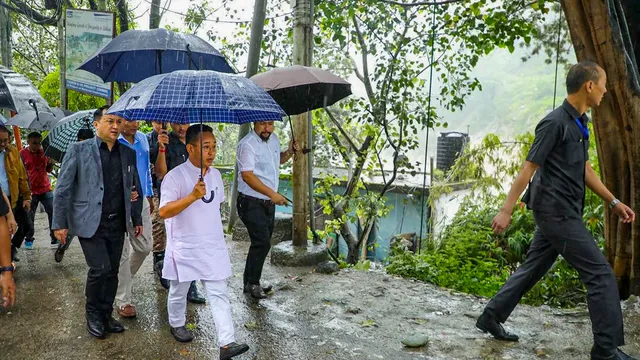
(255, 291)
(265, 289)
(193, 296)
(490, 324)
(608, 354)
(232, 349)
(112, 325)
(59, 255)
(95, 326)
(181, 334)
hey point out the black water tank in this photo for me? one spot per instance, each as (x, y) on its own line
(450, 146)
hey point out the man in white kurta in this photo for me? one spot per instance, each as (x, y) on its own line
(196, 247)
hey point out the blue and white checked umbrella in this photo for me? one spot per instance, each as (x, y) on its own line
(190, 96)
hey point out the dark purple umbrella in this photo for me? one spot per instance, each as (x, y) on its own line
(298, 89)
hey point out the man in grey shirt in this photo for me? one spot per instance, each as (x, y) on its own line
(559, 158)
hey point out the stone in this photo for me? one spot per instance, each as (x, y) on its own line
(353, 310)
(240, 232)
(282, 229)
(541, 351)
(285, 254)
(327, 267)
(415, 341)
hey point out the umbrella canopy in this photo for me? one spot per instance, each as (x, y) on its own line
(189, 96)
(18, 94)
(299, 89)
(66, 132)
(135, 55)
(37, 120)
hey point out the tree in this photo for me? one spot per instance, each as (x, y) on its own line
(392, 43)
(35, 45)
(608, 32)
(50, 90)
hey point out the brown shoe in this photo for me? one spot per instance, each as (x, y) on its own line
(128, 311)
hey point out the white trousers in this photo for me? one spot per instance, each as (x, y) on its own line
(218, 301)
(134, 252)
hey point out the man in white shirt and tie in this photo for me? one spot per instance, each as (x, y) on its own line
(259, 158)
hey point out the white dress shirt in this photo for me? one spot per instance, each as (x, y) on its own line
(261, 157)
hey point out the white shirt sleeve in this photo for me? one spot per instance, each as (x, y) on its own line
(246, 158)
(169, 190)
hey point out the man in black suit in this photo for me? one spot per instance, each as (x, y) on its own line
(95, 199)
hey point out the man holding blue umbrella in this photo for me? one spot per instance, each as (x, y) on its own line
(196, 248)
(178, 97)
(170, 151)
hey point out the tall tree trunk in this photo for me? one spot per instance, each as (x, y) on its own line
(154, 14)
(597, 34)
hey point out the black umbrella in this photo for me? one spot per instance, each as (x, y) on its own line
(18, 94)
(136, 55)
(37, 120)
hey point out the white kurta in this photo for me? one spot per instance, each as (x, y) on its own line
(196, 248)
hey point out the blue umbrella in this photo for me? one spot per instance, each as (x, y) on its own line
(135, 55)
(189, 96)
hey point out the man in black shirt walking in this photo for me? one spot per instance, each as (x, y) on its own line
(96, 199)
(559, 158)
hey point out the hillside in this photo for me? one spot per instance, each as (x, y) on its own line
(515, 96)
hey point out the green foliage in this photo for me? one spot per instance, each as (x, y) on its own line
(50, 90)
(469, 257)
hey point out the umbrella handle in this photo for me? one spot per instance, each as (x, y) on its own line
(211, 196)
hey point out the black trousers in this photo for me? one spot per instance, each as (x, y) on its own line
(571, 239)
(258, 216)
(25, 225)
(46, 200)
(102, 253)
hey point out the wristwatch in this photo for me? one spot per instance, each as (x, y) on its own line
(6, 268)
(613, 203)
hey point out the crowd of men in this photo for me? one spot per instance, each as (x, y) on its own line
(124, 194)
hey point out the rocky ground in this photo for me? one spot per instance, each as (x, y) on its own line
(348, 315)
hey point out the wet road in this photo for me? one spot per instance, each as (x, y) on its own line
(352, 315)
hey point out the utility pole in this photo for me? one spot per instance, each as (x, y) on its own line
(255, 45)
(302, 55)
(62, 60)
